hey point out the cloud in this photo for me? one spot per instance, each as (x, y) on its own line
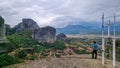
(44, 12)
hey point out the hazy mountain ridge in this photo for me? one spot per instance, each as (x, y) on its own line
(86, 29)
(78, 29)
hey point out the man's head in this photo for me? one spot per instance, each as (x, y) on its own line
(94, 42)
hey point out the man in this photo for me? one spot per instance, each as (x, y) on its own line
(95, 48)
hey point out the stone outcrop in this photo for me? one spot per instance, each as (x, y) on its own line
(61, 36)
(26, 24)
(7, 27)
(2, 28)
(45, 34)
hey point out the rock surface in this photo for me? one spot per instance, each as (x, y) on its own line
(61, 36)
(45, 34)
(7, 29)
(2, 27)
(28, 24)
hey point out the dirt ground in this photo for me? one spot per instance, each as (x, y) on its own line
(70, 61)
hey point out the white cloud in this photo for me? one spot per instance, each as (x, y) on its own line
(44, 11)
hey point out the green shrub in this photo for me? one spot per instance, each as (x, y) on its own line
(118, 49)
(7, 47)
(58, 45)
(6, 60)
(39, 49)
(22, 40)
(32, 57)
(57, 55)
(80, 52)
(22, 54)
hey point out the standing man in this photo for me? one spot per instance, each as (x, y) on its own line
(95, 48)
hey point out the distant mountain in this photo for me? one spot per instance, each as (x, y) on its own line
(86, 29)
(63, 21)
(73, 25)
(78, 29)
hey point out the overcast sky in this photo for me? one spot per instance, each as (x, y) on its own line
(44, 12)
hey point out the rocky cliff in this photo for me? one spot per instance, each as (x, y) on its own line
(45, 34)
(26, 24)
(2, 27)
(61, 36)
(7, 27)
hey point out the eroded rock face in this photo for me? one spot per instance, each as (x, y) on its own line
(45, 34)
(26, 24)
(61, 36)
(7, 27)
(30, 24)
(2, 27)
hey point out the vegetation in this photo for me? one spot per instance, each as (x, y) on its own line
(6, 59)
(19, 42)
(109, 50)
(84, 41)
(39, 49)
(22, 54)
(118, 49)
(45, 48)
(80, 52)
(22, 40)
(7, 47)
(58, 45)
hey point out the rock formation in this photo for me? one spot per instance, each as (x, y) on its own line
(2, 28)
(26, 24)
(7, 27)
(61, 36)
(45, 34)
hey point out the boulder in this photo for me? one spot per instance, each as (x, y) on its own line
(7, 27)
(2, 27)
(45, 34)
(26, 24)
(61, 36)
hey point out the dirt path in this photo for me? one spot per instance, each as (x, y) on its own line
(73, 61)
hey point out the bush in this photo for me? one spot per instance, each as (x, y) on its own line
(6, 60)
(22, 54)
(80, 52)
(32, 57)
(6, 47)
(22, 40)
(118, 49)
(39, 49)
(58, 45)
(57, 55)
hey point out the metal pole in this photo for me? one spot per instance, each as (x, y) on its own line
(114, 51)
(103, 44)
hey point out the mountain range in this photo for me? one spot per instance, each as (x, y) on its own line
(73, 25)
(87, 29)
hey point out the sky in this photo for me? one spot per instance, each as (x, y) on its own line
(58, 13)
